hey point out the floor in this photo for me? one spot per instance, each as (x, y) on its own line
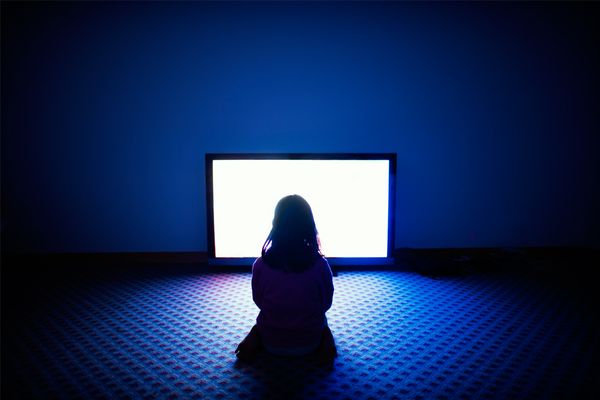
(168, 334)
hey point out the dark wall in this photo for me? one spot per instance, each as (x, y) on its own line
(108, 109)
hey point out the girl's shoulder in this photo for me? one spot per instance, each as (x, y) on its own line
(319, 264)
(258, 264)
(322, 261)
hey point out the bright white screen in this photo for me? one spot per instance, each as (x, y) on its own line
(349, 200)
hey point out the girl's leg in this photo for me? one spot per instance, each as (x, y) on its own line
(250, 346)
(326, 352)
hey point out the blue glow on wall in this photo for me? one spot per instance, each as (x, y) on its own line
(108, 109)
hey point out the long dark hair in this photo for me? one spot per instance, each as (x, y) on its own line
(292, 244)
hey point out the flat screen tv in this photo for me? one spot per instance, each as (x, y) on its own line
(352, 197)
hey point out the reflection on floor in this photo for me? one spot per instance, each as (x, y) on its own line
(399, 335)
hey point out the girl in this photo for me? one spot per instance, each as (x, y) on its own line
(293, 288)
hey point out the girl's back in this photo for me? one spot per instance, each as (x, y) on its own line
(292, 304)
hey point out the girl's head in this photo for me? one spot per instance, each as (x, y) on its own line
(292, 243)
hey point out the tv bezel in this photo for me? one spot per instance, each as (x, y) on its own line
(349, 261)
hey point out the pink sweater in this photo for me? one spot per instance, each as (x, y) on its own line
(292, 304)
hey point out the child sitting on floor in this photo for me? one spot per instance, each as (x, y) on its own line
(293, 288)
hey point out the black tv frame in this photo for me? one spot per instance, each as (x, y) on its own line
(391, 157)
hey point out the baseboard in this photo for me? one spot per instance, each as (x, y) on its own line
(107, 259)
(405, 258)
(453, 261)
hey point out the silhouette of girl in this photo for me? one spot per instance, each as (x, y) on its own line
(293, 288)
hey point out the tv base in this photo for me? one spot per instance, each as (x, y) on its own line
(345, 261)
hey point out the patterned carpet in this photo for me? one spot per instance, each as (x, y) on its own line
(399, 335)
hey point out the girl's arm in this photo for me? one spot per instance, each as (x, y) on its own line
(256, 291)
(328, 287)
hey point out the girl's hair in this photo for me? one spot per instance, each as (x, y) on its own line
(292, 244)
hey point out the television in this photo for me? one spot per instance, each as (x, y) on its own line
(352, 197)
